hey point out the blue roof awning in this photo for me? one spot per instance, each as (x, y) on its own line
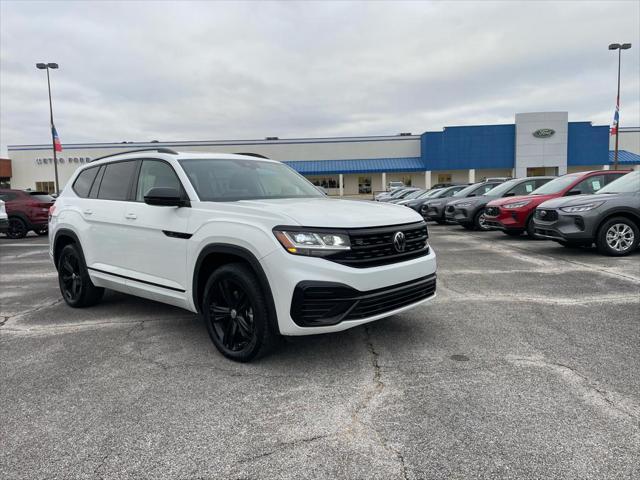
(365, 165)
(625, 156)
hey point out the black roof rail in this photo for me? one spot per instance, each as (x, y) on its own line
(159, 150)
(252, 155)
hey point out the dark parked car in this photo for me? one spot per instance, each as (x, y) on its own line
(469, 212)
(27, 211)
(610, 218)
(434, 209)
(398, 194)
(432, 195)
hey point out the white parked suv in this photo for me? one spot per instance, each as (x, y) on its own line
(246, 242)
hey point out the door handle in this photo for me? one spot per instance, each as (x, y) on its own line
(88, 212)
(131, 216)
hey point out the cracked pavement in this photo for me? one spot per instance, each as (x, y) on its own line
(526, 365)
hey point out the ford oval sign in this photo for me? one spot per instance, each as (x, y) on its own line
(544, 132)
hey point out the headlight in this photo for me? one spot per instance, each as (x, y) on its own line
(581, 208)
(463, 204)
(434, 204)
(318, 244)
(517, 204)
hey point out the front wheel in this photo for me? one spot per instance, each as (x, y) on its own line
(480, 221)
(618, 236)
(75, 285)
(235, 312)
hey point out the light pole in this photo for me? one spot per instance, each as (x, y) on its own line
(619, 47)
(47, 66)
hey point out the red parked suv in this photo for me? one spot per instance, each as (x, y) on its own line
(514, 215)
(27, 211)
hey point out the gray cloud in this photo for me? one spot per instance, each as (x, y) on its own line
(213, 70)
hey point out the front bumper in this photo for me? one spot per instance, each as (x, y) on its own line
(433, 212)
(459, 215)
(565, 226)
(285, 272)
(503, 219)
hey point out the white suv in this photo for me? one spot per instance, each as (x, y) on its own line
(246, 242)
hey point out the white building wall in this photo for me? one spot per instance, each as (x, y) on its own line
(26, 170)
(629, 140)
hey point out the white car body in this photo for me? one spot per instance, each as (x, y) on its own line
(126, 246)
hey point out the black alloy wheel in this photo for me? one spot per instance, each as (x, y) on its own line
(75, 284)
(17, 228)
(235, 312)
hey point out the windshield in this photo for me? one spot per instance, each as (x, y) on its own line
(467, 190)
(503, 188)
(628, 183)
(556, 185)
(227, 180)
(415, 194)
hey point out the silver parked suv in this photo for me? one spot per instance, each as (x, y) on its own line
(610, 218)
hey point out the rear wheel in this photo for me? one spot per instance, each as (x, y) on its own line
(17, 228)
(618, 236)
(235, 312)
(75, 285)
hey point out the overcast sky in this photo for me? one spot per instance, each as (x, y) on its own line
(215, 70)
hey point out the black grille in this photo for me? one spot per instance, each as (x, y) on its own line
(546, 215)
(321, 303)
(492, 211)
(372, 247)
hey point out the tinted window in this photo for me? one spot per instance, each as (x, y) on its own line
(155, 173)
(524, 188)
(83, 183)
(590, 185)
(116, 180)
(612, 177)
(42, 197)
(542, 181)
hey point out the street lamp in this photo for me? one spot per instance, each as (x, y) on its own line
(619, 47)
(47, 66)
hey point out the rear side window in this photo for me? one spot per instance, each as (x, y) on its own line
(83, 183)
(8, 196)
(117, 180)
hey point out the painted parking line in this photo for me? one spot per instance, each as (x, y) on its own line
(24, 245)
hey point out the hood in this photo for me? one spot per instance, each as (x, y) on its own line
(579, 200)
(318, 212)
(534, 199)
(481, 200)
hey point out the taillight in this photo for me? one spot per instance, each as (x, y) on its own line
(52, 209)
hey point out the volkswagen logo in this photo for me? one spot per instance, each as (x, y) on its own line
(399, 242)
(544, 132)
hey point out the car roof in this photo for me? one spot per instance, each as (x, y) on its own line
(168, 154)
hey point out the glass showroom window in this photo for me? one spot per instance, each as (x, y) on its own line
(45, 187)
(326, 182)
(364, 184)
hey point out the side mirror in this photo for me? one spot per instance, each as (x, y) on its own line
(165, 197)
(573, 192)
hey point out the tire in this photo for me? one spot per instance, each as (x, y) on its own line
(235, 311)
(75, 284)
(617, 237)
(531, 229)
(478, 221)
(17, 228)
(512, 233)
(42, 232)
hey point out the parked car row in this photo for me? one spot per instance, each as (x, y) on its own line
(26, 210)
(577, 209)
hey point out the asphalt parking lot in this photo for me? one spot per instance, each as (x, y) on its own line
(526, 365)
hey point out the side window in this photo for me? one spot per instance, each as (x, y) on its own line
(612, 177)
(542, 181)
(8, 196)
(155, 173)
(83, 183)
(488, 187)
(524, 188)
(590, 185)
(116, 180)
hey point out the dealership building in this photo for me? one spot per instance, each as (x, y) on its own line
(541, 143)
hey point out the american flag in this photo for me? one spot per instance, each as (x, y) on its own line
(56, 140)
(616, 118)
